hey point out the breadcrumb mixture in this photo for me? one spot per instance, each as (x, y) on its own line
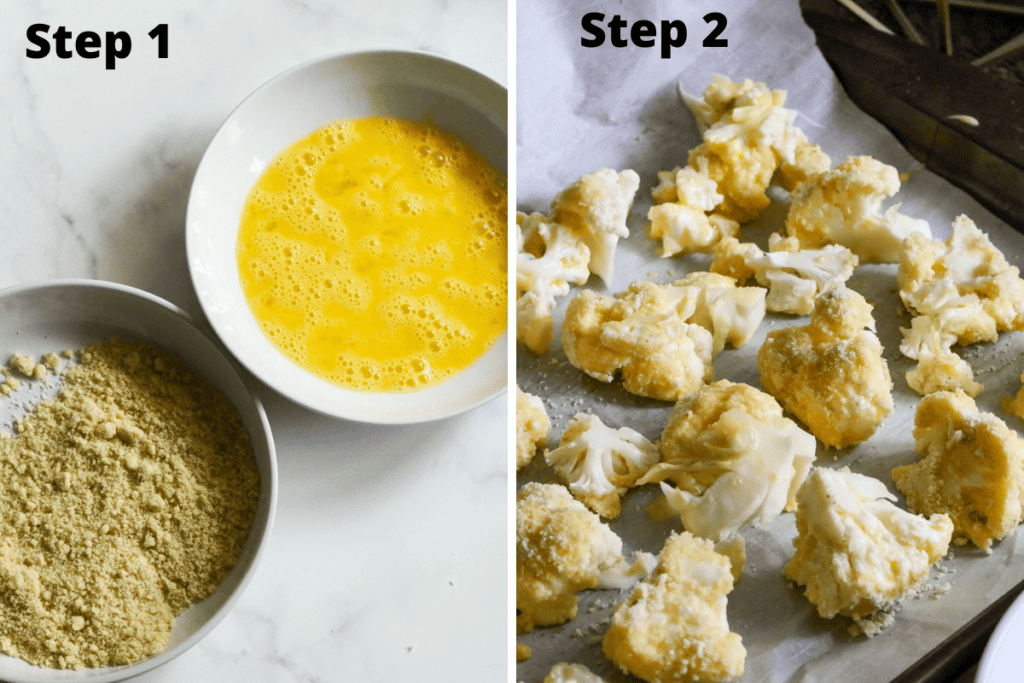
(123, 500)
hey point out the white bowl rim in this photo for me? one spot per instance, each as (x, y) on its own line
(190, 248)
(159, 659)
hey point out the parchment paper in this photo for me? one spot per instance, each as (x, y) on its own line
(580, 109)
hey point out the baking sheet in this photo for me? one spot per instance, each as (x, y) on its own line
(580, 109)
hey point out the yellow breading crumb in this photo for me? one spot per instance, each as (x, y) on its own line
(51, 361)
(523, 652)
(673, 627)
(830, 373)
(123, 500)
(532, 426)
(971, 468)
(28, 366)
(856, 552)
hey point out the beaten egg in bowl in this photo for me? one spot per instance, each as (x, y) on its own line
(373, 253)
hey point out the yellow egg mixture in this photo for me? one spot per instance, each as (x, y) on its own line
(373, 253)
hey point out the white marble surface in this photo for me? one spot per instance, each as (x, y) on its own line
(388, 557)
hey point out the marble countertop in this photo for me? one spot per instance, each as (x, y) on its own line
(388, 559)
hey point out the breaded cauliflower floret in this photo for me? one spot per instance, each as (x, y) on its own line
(643, 334)
(843, 206)
(599, 463)
(960, 291)
(734, 457)
(747, 135)
(673, 627)
(562, 548)
(550, 259)
(596, 207)
(662, 338)
(571, 673)
(966, 282)
(731, 313)
(971, 468)
(683, 220)
(830, 373)
(532, 426)
(794, 277)
(856, 552)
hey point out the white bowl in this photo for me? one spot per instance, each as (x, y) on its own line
(357, 85)
(53, 316)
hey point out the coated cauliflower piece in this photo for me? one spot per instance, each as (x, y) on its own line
(596, 207)
(971, 468)
(599, 463)
(747, 135)
(562, 548)
(938, 366)
(960, 291)
(550, 258)
(661, 338)
(734, 458)
(571, 673)
(794, 277)
(830, 373)
(844, 206)
(856, 552)
(731, 313)
(673, 627)
(532, 426)
(643, 334)
(683, 220)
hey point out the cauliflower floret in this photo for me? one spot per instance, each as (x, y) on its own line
(532, 426)
(830, 373)
(808, 160)
(661, 337)
(682, 221)
(731, 313)
(843, 206)
(571, 673)
(938, 367)
(747, 135)
(600, 463)
(642, 333)
(721, 96)
(971, 468)
(735, 458)
(596, 207)
(961, 291)
(562, 548)
(550, 258)
(856, 552)
(966, 282)
(673, 627)
(794, 277)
